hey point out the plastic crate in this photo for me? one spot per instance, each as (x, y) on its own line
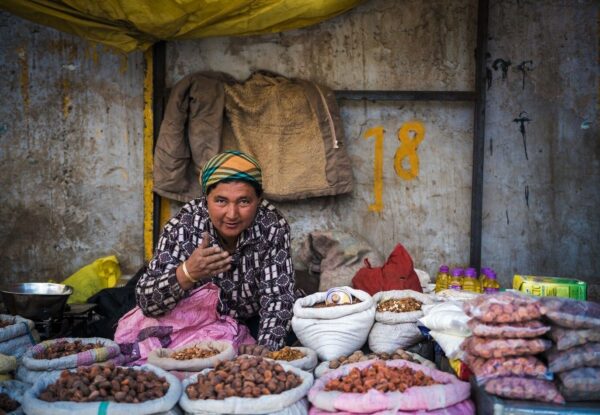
(551, 286)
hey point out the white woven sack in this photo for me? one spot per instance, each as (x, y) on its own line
(161, 357)
(267, 404)
(386, 338)
(450, 344)
(447, 317)
(34, 406)
(333, 331)
(31, 376)
(17, 346)
(390, 317)
(298, 408)
(109, 350)
(323, 367)
(19, 327)
(307, 363)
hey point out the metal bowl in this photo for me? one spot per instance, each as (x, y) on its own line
(36, 300)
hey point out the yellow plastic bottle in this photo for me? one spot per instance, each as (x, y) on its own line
(483, 274)
(455, 282)
(490, 284)
(442, 279)
(470, 281)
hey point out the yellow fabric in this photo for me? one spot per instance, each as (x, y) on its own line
(136, 24)
(100, 274)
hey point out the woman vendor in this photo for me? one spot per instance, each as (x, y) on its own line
(234, 238)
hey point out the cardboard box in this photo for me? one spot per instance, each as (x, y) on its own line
(551, 286)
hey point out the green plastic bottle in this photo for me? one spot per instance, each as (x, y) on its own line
(442, 279)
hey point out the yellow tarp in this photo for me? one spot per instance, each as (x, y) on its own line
(136, 24)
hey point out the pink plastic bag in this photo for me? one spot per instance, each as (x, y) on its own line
(421, 398)
(486, 369)
(462, 408)
(527, 329)
(524, 388)
(504, 307)
(489, 348)
(195, 318)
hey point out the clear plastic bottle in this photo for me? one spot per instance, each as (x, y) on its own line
(490, 284)
(470, 281)
(455, 282)
(442, 279)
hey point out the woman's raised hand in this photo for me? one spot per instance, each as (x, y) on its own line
(207, 261)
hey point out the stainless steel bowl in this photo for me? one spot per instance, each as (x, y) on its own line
(36, 300)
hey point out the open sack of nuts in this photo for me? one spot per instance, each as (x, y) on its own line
(104, 389)
(396, 318)
(395, 385)
(333, 331)
(301, 357)
(193, 357)
(247, 385)
(70, 352)
(11, 396)
(359, 356)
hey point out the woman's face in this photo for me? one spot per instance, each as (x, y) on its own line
(232, 207)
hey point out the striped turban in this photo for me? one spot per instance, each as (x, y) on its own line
(230, 165)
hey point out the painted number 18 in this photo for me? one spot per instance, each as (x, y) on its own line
(410, 136)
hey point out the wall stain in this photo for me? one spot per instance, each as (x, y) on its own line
(24, 79)
(521, 120)
(524, 67)
(491, 147)
(527, 195)
(507, 220)
(503, 65)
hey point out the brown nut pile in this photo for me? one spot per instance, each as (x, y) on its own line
(246, 377)
(7, 404)
(287, 353)
(399, 305)
(66, 348)
(5, 323)
(254, 350)
(194, 352)
(381, 377)
(359, 356)
(106, 383)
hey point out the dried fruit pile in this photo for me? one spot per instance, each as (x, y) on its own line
(381, 377)
(287, 353)
(246, 377)
(5, 323)
(66, 348)
(359, 356)
(399, 305)
(7, 404)
(254, 349)
(106, 383)
(195, 352)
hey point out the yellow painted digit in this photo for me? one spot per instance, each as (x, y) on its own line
(408, 149)
(377, 132)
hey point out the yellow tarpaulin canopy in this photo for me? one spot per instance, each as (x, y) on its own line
(136, 24)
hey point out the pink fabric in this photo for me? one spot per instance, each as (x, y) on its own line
(195, 318)
(465, 407)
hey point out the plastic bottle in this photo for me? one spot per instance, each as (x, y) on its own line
(483, 274)
(442, 279)
(470, 281)
(490, 284)
(455, 282)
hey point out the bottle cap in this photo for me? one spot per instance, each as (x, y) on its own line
(338, 295)
(471, 273)
(457, 272)
(491, 275)
(485, 270)
(444, 268)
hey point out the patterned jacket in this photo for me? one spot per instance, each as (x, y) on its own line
(260, 281)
